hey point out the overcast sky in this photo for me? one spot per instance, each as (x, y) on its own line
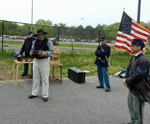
(71, 11)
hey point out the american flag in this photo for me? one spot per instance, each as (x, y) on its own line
(129, 30)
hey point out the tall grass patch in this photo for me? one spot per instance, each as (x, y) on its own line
(83, 60)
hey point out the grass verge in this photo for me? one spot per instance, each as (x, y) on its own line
(83, 60)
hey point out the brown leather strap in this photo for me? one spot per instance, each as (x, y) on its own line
(133, 62)
(143, 79)
(146, 84)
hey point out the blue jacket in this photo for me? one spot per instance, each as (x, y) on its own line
(100, 55)
(27, 46)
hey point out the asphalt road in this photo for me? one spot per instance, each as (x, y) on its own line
(18, 47)
(69, 103)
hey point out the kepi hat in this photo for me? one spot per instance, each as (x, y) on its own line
(40, 31)
(138, 42)
(102, 38)
(29, 32)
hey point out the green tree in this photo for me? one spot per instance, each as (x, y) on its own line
(99, 27)
(146, 25)
(56, 25)
(10, 28)
(45, 25)
(23, 30)
(112, 31)
(63, 30)
(89, 34)
(62, 25)
(55, 31)
(28, 27)
(80, 32)
(72, 32)
(0, 27)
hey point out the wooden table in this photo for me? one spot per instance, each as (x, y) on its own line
(15, 71)
(53, 71)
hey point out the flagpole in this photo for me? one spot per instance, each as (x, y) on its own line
(112, 56)
(114, 47)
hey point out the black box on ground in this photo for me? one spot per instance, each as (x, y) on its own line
(76, 75)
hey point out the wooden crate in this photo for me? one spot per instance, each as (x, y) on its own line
(55, 59)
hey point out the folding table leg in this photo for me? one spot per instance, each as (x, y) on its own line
(13, 70)
(17, 73)
(61, 73)
(53, 72)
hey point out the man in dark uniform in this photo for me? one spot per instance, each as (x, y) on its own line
(27, 47)
(41, 66)
(102, 53)
(138, 69)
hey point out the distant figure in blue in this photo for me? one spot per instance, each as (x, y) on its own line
(102, 53)
(27, 47)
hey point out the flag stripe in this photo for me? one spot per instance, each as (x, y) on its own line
(124, 45)
(121, 34)
(122, 42)
(145, 30)
(140, 33)
(137, 36)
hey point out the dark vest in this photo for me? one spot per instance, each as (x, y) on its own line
(41, 45)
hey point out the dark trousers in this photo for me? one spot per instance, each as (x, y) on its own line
(26, 66)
